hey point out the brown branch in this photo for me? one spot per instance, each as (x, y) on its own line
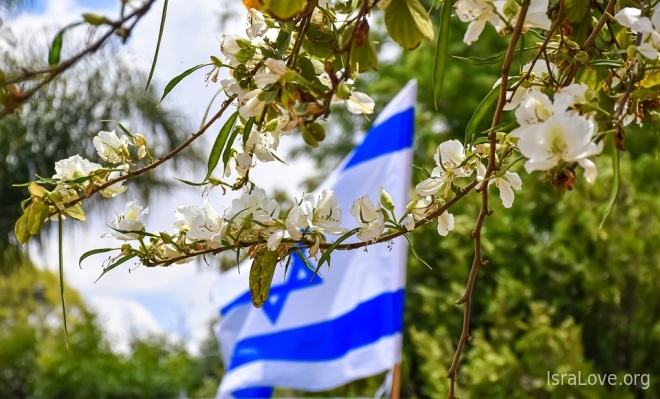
(477, 261)
(609, 11)
(308, 244)
(60, 68)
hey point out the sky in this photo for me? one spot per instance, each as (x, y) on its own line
(136, 300)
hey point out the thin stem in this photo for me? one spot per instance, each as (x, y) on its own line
(57, 70)
(466, 299)
(609, 11)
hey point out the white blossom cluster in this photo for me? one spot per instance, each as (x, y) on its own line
(649, 28)
(269, 90)
(254, 219)
(502, 14)
(78, 173)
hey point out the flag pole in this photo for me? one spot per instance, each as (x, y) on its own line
(396, 382)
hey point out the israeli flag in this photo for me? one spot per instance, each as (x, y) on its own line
(315, 334)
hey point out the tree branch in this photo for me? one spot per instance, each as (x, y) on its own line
(477, 261)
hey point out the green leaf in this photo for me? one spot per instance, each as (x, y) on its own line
(304, 259)
(75, 212)
(261, 276)
(37, 215)
(37, 191)
(123, 129)
(283, 39)
(219, 144)
(178, 79)
(326, 255)
(486, 106)
(21, 229)
(226, 154)
(282, 10)
(94, 252)
(408, 23)
(54, 54)
(60, 236)
(247, 129)
(441, 50)
(575, 10)
(191, 183)
(160, 37)
(615, 186)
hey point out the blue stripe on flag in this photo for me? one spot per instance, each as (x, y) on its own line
(394, 134)
(367, 323)
(253, 393)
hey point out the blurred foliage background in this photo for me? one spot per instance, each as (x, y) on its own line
(559, 295)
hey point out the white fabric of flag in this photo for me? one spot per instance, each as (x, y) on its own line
(315, 334)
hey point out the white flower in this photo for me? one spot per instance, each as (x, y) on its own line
(129, 220)
(369, 217)
(537, 75)
(200, 224)
(244, 162)
(563, 137)
(169, 251)
(423, 207)
(232, 87)
(537, 14)
(536, 107)
(73, 168)
(110, 147)
(434, 183)
(274, 71)
(507, 184)
(285, 123)
(116, 188)
(360, 103)
(261, 144)
(445, 223)
(257, 26)
(252, 105)
(229, 47)
(253, 207)
(477, 13)
(649, 28)
(409, 222)
(449, 157)
(322, 213)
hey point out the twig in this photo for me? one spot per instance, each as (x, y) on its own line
(609, 11)
(342, 247)
(466, 300)
(60, 68)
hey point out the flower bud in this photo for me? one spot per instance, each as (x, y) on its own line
(95, 19)
(510, 9)
(343, 91)
(139, 140)
(386, 200)
(309, 137)
(317, 130)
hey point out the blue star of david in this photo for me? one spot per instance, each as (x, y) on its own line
(298, 277)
